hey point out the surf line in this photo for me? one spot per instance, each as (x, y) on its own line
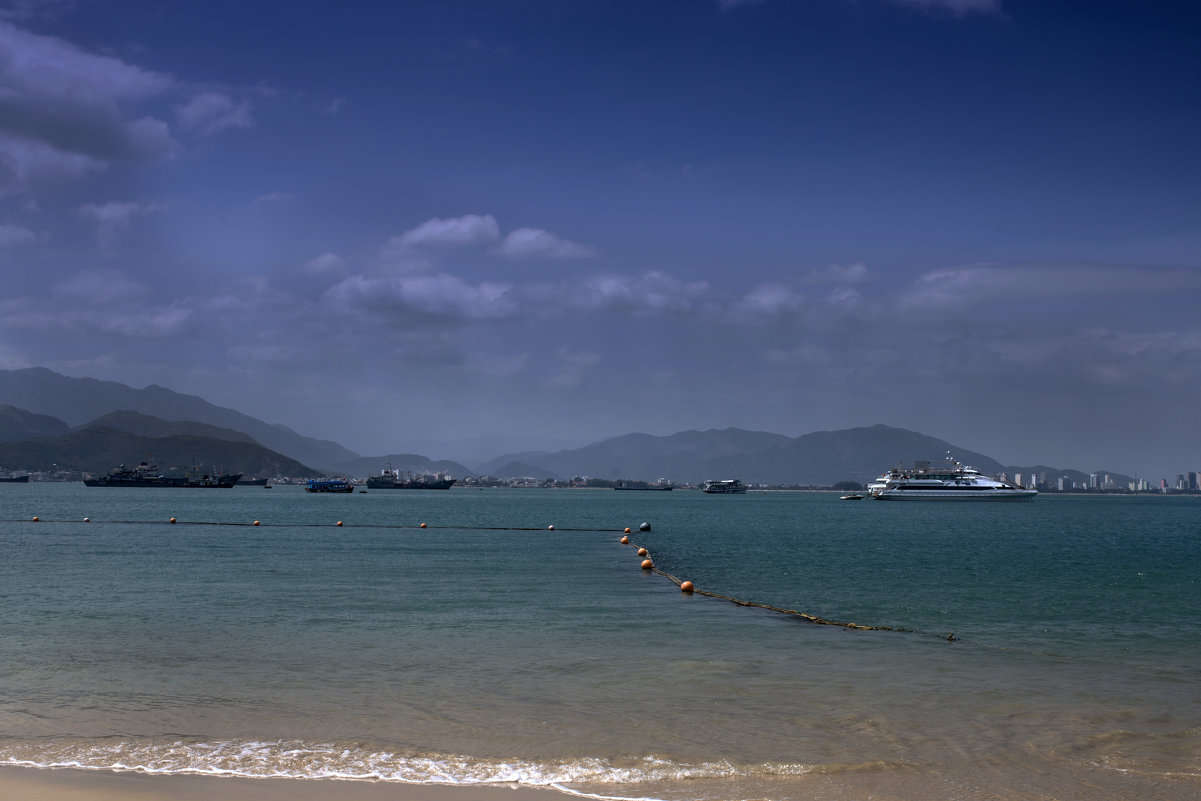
(648, 564)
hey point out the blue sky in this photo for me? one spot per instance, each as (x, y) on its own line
(407, 225)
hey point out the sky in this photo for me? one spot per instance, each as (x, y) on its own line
(461, 228)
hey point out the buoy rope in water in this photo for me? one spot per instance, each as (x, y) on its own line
(819, 621)
(337, 524)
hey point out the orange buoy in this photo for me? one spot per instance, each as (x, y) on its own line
(256, 522)
(647, 564)
(642, 551)
(339, 523)
(627, 529)
(172, 520)
(686, 587)
(423, 525)
(35, 518)
(625, 540)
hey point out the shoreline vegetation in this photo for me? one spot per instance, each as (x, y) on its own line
(75, 784)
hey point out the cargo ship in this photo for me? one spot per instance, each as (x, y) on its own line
(390, 479)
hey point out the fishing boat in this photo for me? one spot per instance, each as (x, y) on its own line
(149, 475)
(953, 481)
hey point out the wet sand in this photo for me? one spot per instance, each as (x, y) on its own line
(40, 784)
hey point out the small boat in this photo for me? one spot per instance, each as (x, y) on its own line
(852, 497)
(329, 485)
(730, 486)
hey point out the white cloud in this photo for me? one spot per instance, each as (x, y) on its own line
(768, 301)
(271, 198)
(211, 112)
(654, 291)
(63, 111)
(113, 216)
(100, 288)
(98, 303)
(401, 299)
(326, 263)
(854, 273)
(536, 243)
(573, 367)
(470, 229)
(957, 7)
(15, 234)
(965, 287)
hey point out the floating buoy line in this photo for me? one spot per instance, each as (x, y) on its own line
(647, 563)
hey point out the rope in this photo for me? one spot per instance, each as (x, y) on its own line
(398, 526)
(814, 619)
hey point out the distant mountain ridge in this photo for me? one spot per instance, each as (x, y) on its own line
(17, 424)
(98, 449)
(80, 400)
(37, 396)
(821, 458)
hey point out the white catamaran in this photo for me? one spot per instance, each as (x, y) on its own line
(951, 482)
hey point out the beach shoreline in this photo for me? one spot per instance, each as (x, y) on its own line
(75, 784)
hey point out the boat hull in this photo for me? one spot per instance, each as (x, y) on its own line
(442, 484)
(958, 496)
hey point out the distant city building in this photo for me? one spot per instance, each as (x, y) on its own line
(1094, 482)
(1017, 479)
(1065, 483)
(1194, 481)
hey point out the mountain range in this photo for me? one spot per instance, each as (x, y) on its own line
(47, 418)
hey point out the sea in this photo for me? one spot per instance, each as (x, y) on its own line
(1036, 650)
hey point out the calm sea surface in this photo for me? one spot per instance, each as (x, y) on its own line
(487, 648)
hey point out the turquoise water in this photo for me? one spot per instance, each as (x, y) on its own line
(489, 648)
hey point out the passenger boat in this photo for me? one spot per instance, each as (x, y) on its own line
(730, 486)
(952, 482)
(329, 485)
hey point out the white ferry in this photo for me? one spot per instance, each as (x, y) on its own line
(952, 482)
(731, 486)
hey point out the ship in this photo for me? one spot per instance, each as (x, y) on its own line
(391, 479)
(953, 481)
(730, 486)
(148, 475)
(625, 485)
(14, 479)
(329, 485)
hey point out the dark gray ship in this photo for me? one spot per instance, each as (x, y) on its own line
(391, 479)
(148, 475)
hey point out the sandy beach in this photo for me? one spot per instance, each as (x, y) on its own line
(42, 784)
